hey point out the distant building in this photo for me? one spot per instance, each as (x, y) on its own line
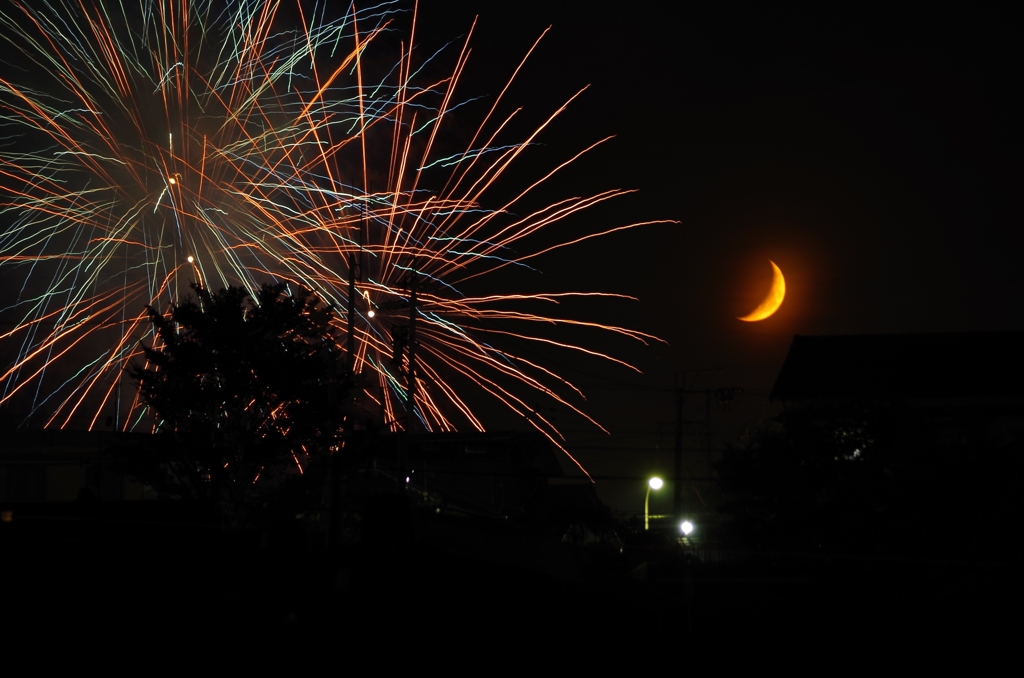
(56, 465)
(946, 389)
(498, 473)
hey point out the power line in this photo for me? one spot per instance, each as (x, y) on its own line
(637, 448)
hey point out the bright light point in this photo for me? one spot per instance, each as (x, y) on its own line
(655, 483)
(190, 260)
(172, 181)
(686, 527)
(407, 479)
(371, 314)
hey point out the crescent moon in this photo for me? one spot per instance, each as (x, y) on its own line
(772, 301)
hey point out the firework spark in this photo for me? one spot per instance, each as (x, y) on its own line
(144, 149)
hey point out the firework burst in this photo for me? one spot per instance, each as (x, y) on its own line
(174, 142)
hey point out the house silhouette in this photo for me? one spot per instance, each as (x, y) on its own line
(943, 389)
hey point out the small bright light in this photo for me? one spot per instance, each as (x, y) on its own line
(407, 479)
(686, 527)
(371, 313)
(655, 483)
(190, 260)
(172, 181)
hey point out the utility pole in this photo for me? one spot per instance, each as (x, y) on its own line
(403, 338)
(355, 272)
(677, 486)
(355, 257)
(410, 410)
(350, 347)
(340, 374)
(707, 421)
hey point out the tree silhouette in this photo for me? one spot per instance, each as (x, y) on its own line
(810, 482)
(243, 393)
(879, 480)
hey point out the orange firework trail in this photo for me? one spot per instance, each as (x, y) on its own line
(179, 141)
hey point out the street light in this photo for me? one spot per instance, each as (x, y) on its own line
(652, 484)
(686, 527)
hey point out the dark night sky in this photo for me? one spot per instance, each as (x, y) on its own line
(871, 155)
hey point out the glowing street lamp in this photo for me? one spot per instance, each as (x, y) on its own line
(652, 484)
(686, 527)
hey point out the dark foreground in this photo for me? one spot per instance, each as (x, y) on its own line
(147, 575)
